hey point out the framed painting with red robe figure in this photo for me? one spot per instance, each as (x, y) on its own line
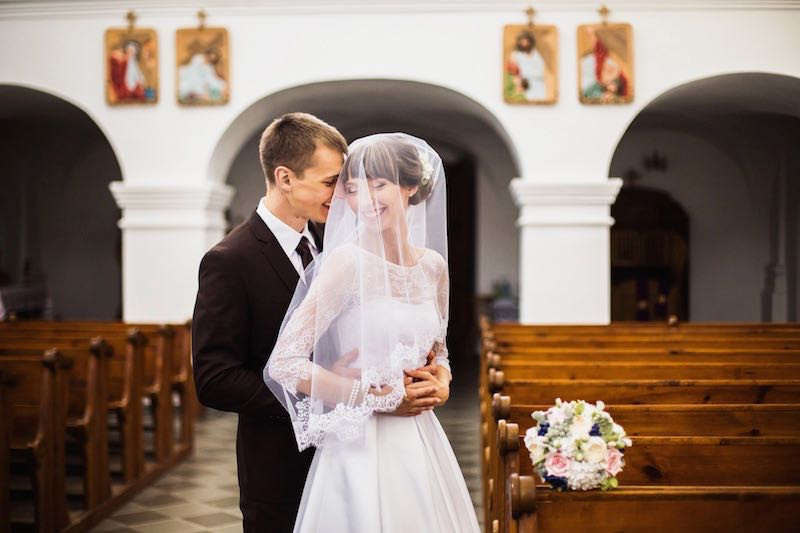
(131, 57)
(605, 63)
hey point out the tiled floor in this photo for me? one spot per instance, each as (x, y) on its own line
(202, 494)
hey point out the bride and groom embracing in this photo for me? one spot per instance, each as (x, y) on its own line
(335, 345)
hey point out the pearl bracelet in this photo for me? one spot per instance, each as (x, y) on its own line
(354, 393)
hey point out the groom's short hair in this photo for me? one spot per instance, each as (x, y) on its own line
(291, 141)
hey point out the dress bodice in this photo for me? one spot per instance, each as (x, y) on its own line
(411, 328)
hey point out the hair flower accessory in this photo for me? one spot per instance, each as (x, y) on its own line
(577, 446)
(427, 168)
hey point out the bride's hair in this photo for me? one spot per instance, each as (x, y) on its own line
(394, 159)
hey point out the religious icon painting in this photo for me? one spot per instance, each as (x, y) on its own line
(605, 63)
(202, 68)
(131, 57)
(530, 64)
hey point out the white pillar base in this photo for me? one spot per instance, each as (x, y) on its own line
(565, 272)
(165, 232)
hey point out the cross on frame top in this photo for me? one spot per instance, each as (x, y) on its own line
(201, 19)
(530, 12)
(130, 16)
(604, 12)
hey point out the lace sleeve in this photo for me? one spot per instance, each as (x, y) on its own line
(328, 293)
(443, 299)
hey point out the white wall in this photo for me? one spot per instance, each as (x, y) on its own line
(459, 48)
(280, 44)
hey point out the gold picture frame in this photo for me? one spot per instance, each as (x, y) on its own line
(605, 63)
(530, 64)
(131, 66)
(202, 66)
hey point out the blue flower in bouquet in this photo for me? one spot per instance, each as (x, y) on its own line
(558, 483)
(543, 429)
(595, 432)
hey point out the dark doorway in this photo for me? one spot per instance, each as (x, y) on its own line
(461, 240)
(649, 257)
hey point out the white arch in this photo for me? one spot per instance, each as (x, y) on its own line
(349, 104)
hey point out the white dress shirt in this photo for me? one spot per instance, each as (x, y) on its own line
(287, 236)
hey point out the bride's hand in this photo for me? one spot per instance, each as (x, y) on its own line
(380, 391)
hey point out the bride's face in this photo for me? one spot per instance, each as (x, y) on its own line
(383, 204)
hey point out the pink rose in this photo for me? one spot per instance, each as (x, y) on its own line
(614, 461)
(557, 464)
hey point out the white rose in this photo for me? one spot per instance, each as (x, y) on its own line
(581, 424)
(530, 437)
(555, 417)
(537, 454)
(595, 450)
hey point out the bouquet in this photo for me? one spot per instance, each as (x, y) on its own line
(577, 446)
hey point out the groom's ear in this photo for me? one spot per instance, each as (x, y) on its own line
(283, 178)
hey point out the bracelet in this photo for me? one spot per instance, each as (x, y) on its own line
(354, 393)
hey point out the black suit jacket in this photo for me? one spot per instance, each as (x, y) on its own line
(245, 286)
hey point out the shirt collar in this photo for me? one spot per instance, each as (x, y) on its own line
(287, 236)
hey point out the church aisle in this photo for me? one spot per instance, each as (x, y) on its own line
(202, 493)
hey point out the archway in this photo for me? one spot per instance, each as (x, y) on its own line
(724, 148)
(479, 156)
(59, 241)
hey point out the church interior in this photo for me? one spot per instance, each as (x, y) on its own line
(623, 218)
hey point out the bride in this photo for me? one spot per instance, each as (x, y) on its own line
(376, 298)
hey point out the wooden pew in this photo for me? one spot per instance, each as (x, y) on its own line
(573, 369)
(721, 355)
(721, 420)
(6, 381)
(124, 388)
(149, 361)
(533, 509)
(654, 391)
(695, 385)
(183, 384)
(157, 353)
(38, 430)
(700, 465)
(694, 461)
(87, 408)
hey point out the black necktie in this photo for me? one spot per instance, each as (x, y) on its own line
(304, 251)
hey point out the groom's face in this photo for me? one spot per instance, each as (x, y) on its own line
(312, 192)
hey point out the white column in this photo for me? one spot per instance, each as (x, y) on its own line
(165, 232)
(565, 271)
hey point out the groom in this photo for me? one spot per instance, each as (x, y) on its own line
(245, 286)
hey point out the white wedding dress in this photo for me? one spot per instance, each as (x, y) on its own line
(401, 474)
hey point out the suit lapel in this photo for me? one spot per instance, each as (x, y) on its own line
(273, 252)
